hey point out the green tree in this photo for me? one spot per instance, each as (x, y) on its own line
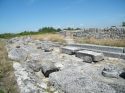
(47, 30)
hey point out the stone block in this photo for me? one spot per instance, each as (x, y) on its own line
(94, 55)
(70, 50)
(122, 75)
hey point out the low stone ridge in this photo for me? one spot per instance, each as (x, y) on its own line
(94, 55)
(70, 50)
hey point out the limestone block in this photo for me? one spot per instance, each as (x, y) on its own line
(94, 55)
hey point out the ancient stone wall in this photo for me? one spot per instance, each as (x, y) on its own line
(112, 32)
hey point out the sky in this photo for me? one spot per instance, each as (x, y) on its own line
(30, 15)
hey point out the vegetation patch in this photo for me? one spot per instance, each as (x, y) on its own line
(106, 42)
(49, 37)
(7, 79)
(43, 30)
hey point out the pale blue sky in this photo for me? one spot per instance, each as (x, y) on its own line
(20, 15)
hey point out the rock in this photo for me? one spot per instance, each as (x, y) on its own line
(111, 71)
(34, 65)
(112, 74)
(17, 54)
(47, 46)
(48, 68)
(87, 59)
(69, 50)
(47, 49)
(17, 46)
(122, 75)
(72, 81)
(94, 55)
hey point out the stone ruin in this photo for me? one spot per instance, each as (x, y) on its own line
(48, 67)
(105, 33)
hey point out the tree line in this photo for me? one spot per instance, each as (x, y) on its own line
(39, 31)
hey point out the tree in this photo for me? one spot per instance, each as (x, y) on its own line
(47, 30)
(78, 29)
(59, 30)
(69, 28)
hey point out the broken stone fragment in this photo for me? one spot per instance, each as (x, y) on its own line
(48, 68)
(112, 71)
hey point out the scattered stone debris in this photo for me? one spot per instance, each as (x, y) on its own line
(41, 67)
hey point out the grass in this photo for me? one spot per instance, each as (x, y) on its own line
(49, 37)
(7, 80)
(106, 42)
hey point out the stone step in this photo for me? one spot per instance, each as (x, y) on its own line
(94, 55)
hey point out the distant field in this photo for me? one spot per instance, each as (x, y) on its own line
(50, 37)
(106, 42)
(7, 81)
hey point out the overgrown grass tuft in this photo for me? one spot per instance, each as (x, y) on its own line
(7, 80)
(106, 42)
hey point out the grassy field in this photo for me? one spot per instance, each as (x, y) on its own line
(106, 42)
(49, 37)
(7, 80)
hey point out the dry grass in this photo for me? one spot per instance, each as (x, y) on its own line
(107, 42)
(7, 80)
(49, 37)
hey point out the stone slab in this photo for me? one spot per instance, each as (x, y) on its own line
(94, 55)
(70, 50)
(99, 47)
